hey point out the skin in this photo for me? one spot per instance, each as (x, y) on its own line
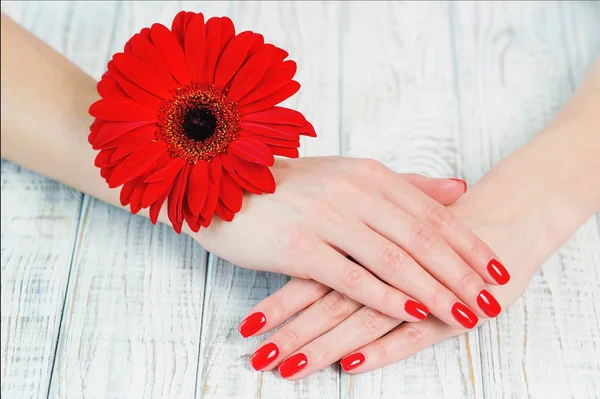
(547, 203)
(323, 209)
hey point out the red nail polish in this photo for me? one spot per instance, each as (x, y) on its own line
(464, 315)
(488, 304)
(464, 183)
(498, 271)
(415, 309)
(264, 356)
(252, 324)
(292, 365)
(352, 361)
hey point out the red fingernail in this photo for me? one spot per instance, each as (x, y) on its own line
(252, 324)
(352, 361)
(264, 356)
(498, 271)
(488, 304)
(464, 315)
(464, 183)
(415, 309)
(292, 365)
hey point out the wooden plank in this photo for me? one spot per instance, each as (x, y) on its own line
(513, 74)
(399, 106)
(131, 326)
(39, 223)
(309, 32)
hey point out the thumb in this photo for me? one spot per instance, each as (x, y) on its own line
(444, 191)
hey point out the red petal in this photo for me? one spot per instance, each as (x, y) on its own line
(281, 94)
(121, 110)
(143, 134)
(284, 151)
(224, 213)
(219, 31)
(232, 58)
(274, 78)
(197, 187)
(258, 43)
(177, 27)
(166, 43)
(156, 206)
(308, 130)
(230, 193)
(109, 88)
(103, 159)
(140, 73)
(285, 132)
(168, 171)
(251, 150)
(154, 191)
(245, 184)
(143, 49)
(250, 74)
(110, 131)
(270, 140)
(106, 172)
(174, 206)
(123, 174)
(258, 175)
(212, 198)
(127, 191)
(190, 218)
(215, 168)
(147, 153)
(136, 197)
(195, 48)
(276, 115)
(134, 91)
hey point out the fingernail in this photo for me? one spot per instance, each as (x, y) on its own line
(415, 309)
(498, 271)
(488, 304)
(352, 361)
(464, 315)
(264, 356)
(464, 183)
(292, 365)
(252, 324)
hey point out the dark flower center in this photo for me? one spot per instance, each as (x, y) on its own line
(199, 124)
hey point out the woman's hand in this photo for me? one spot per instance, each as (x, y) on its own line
(328, 208)
(332, 326)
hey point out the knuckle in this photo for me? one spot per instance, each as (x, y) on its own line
(478, 250)
(413, 333)
(393, 259)
(370, 166)
(354, 276)
(298, 240)
(289, 336)
(277, 308)
(383, 350)
(438, 216)
(437, 296)
(335, 305)
(425, 238)
(469, 280)
(372, 320)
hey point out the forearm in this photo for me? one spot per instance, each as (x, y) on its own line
(548, 188)
(45, 120)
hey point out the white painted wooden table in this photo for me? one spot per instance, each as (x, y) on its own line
(97, 303)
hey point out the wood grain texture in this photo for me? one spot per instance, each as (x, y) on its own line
(308, 31)
(545, 345)
(39, 224)
(400, 107)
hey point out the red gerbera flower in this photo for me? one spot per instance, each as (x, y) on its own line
(189, 115)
